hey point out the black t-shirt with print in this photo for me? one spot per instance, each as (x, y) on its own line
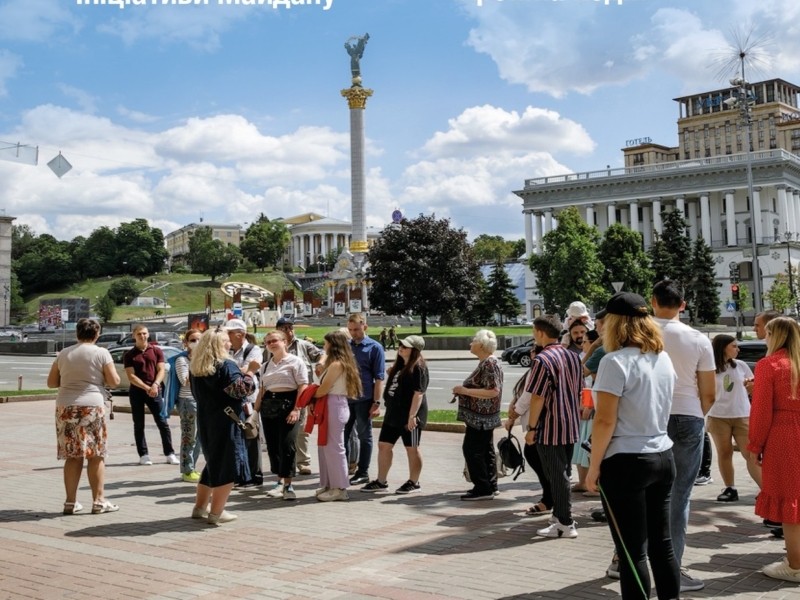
(398, 393)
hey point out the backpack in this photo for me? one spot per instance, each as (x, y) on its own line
(511, 454)
(171, 385)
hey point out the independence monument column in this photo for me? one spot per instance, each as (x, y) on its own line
(357, 101)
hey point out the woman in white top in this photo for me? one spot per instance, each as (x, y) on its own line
(729, 417)
(187, 409)
(631, 461)
(283, 378)
(81, 373)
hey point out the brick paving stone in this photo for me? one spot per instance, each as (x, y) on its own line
(427, 546)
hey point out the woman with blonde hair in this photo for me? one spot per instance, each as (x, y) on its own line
(339, 380)
(218, 385)
(774, 436)
(631, 460)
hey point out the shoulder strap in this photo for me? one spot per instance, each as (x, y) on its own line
(247, 349)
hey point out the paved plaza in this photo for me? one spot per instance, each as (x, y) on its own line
(429, 545)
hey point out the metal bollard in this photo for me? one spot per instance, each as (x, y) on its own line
(19, 383)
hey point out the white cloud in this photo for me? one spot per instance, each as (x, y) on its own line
(135, 115)
(487, 128)
(35, 20)
(85, 100)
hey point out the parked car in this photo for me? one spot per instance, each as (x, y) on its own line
(110, 340)
(515, 355)
(751, 351)
(161, 338)
(117, 355)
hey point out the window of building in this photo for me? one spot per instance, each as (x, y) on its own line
(708, 152)
(727, 148)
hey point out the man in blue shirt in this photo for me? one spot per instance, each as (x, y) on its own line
(372, 366)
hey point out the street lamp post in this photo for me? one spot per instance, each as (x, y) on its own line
(743, 99)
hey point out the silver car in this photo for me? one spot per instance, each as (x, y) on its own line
(118, 353)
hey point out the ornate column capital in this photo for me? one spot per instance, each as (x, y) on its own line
(357, 96)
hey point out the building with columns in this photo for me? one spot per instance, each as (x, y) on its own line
(314, 235)
(704, 177)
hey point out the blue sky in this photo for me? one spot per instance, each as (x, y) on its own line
(176, 112)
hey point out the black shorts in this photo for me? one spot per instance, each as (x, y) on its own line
(390, 435)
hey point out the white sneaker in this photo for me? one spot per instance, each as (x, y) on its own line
(173, 460)
(276, 491)
(557, 530)
(145, 460)
(333, 495)
(223, 517)
(288, 493)
(782, 570)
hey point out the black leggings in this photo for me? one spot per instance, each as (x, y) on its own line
(532, 456)
(636, 495)
(280, 435)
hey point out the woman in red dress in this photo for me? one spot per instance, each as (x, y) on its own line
(774, 434)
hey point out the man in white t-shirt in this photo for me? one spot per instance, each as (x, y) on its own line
(693, 360)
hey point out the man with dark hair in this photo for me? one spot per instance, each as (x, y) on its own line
(555, 387)
(577, 333)
(693, 360)
(761, 320)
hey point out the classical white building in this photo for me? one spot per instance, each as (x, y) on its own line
(704, 177)
(314, 235)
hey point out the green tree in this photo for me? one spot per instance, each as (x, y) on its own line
(265, 242)
(105, 308)
(568, 269)
(424, 266)
(660, 261)
(123, 290)
(480, 312)
(140, 248)
(703, 286)
(22, 237)
(491, 248)
(98, 256)
(45, 265)
(499, 295)
(779, 295)
(211, 257)
(17, 309)
(678, 247)
(745, 298)
(625, 260)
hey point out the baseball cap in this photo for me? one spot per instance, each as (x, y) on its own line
(284, 321)
(414, 341)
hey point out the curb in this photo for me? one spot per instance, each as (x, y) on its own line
(31, 398)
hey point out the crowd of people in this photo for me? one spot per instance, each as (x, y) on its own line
(626, 397)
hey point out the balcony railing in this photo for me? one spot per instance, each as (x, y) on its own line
(761, 155)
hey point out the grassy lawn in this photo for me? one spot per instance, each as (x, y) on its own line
(316, 333)
(27, 392)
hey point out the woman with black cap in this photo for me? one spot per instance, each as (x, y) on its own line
(631, 461)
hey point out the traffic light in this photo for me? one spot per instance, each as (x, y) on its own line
(735, 292)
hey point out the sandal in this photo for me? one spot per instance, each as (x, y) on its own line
(103, 506)
(70, 508)
(537, 510)
(577, 488)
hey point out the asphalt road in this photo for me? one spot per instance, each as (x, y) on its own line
(444, 374)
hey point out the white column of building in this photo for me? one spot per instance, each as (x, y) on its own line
(548, 222)
(796, 196)
(705, 218)
(590, 215)
(324, 246)
(691, 209)
(612, 213)
(730, 216)
(680, 204)
(633, 210)
(758, 227)
(528, 233)
(657, 216)
(537, 231)
(647, 227)
(791, 200)
(783, 209)
(624, 218)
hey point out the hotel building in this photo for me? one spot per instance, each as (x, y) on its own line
(704, 177)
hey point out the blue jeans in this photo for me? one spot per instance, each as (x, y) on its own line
(362, 423)
(686, 433)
